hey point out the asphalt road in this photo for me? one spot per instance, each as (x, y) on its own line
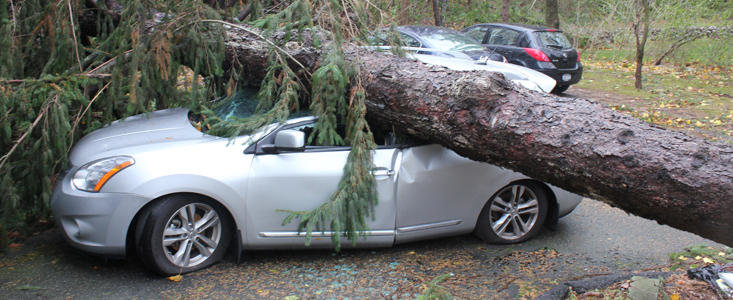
(594, 239)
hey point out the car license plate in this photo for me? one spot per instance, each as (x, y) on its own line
(566, 77)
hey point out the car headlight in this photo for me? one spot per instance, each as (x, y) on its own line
(92, 176)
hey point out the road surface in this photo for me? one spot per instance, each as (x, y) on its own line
(594, 239)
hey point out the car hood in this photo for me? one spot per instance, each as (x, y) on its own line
(522, 76)
(163, 126)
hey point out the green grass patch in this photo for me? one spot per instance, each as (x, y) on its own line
(700, 255)
(694, 98)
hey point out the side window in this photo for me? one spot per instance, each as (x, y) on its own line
(410, 41)
(477, 33)
(388, 136)
(310, 139)
(523, 41)
(503, 36)
(308, 130)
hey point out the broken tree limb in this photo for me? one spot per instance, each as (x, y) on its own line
(573, 143)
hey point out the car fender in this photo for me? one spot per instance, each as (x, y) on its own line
(196, 184)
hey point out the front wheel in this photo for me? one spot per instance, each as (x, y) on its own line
(185, 233)
(514, 214)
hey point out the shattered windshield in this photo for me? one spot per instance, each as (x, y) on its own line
(242, 105)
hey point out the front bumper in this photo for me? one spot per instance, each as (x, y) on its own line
(94, 222)
(575, 74)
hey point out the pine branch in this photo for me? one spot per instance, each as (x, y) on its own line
(281, 50)
(5, 158)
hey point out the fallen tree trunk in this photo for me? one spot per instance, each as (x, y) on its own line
(575, 144)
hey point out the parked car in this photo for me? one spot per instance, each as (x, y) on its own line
(152, 184)
(519, 75)
(440, 41)
(453, 50)
(536, 47)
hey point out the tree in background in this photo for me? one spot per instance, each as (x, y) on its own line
(505, 11)
(641, 32)
(439, 7)
(551, 14)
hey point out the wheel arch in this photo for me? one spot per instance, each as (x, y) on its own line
(131, 239)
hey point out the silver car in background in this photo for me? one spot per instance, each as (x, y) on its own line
(155, 185)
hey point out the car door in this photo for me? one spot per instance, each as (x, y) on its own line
(303, 180)
(441, 193)
(507, 42)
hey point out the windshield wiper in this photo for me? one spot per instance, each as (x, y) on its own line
(555, 46)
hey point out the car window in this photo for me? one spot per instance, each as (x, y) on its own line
(378, 38)
(477, 33)
(410, 41)
(451, 41)
(390, 136)
(310, 139)
(523, 41)
(553, 39)
(503, 36)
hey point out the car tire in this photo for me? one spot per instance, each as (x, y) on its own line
(560, 88)
(507, 219)
(188, 246)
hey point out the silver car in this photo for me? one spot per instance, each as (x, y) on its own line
(155, 185)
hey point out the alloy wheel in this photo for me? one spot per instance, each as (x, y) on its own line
(191, 235)
(514, 212)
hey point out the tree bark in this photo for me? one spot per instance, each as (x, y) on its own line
(551, 14)
(573, 143)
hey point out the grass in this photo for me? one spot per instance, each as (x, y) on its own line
(694, 98)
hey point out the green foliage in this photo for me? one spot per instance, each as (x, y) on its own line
(54, 86)
(278, 96)
(434, 290)
(348, 208)
(57, 84)
(461, 14)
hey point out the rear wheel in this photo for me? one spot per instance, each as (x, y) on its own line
(514, 214)
(185, 233)
(560, 88)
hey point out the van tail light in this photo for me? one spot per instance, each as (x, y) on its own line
(536, 54)
(578, 55)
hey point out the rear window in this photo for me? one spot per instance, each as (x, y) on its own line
(553, 39)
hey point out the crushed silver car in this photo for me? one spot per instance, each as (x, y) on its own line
(155, 185)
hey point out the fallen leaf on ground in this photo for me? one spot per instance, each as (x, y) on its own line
(175, 278)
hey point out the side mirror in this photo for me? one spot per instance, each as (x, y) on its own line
(290, 140)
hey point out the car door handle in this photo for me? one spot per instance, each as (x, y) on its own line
(382, 172)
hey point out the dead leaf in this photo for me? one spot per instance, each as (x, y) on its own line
(176, 278)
